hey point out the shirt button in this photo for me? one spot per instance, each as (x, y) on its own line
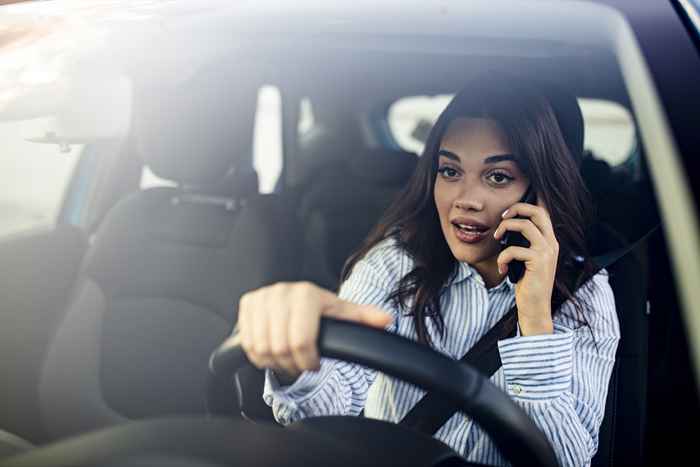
(516, 389)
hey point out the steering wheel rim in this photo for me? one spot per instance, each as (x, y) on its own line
(511, 429)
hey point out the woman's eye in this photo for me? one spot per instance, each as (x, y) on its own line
(500, 178)
(448, 172)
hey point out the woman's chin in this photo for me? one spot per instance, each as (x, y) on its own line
(465, 254)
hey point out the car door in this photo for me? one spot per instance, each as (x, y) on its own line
(44, 207)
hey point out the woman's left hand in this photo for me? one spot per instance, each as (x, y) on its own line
(533, 292)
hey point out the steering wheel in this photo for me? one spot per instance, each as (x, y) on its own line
(316, 441)
(513, 432)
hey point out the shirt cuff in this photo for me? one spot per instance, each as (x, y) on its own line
(303, 388)
(538, 368)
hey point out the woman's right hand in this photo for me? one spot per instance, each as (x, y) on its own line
(279, 324)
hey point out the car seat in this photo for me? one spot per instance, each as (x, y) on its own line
(344, 202)
(160, 284)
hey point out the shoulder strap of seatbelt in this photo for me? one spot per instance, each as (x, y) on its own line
(433, 410)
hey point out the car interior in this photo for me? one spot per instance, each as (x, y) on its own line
(140, 285)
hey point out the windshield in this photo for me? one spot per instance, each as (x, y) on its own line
(164, 160)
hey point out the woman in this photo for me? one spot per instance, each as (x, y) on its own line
(433, 270)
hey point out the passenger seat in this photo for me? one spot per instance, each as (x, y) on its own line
(160, 284)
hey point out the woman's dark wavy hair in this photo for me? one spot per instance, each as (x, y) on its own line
(527, 118)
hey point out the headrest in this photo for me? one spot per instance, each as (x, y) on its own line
(383, 165)
(505, 85)
(568, 114)
(193, 133)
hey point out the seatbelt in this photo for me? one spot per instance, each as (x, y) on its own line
(434, 410)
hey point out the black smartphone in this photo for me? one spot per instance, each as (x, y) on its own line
(516, 268)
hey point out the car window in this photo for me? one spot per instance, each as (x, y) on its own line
(609, 128)
(151, 180)
(306, 116)
(267, 142)
(34, 175)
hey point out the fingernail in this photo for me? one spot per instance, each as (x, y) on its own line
(504, 213)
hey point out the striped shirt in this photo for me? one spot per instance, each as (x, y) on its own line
(560, 379)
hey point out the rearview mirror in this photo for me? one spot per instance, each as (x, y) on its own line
(75, 110)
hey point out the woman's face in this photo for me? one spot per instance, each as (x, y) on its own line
(477, 180)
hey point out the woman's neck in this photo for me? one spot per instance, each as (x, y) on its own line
(489, 273)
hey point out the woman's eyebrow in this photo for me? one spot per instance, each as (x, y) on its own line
(488, 160)
(499, 158)
(449, 155)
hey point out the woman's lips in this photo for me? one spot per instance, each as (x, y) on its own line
(469, 237)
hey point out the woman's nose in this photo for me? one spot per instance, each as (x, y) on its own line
(469, 203)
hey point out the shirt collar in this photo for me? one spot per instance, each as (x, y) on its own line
(505, 283)
(466, 271)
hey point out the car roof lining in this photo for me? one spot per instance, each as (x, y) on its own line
(332, 82)
(313, 46)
